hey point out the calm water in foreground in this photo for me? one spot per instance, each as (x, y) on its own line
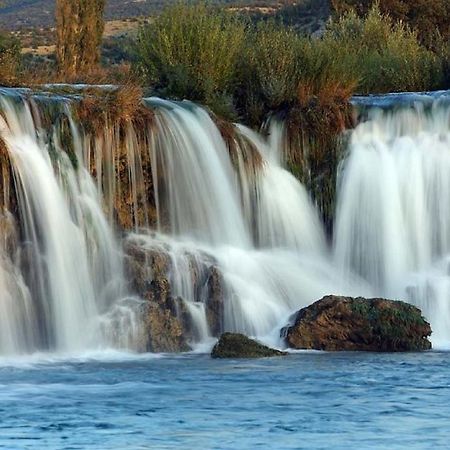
(306, 400)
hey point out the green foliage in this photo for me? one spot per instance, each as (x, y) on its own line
(430, 18)
(282, 70)
(268, 76)
(385, 56)
(191, 52)
(443, 52)
(9, 58)
(217, 58)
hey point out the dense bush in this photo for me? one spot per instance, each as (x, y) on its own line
(214, 57)
(267, 78)
(281, 70)
(444, 54)
(385, 56)
(430, 18)
(192, 52)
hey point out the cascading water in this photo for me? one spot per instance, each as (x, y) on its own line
(201, 191)
(220, 210)
(285, 216)
(273, 262)
(74, 264)
(393, 217)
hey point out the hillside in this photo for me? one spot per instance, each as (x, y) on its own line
(19, 14)
(32, 21)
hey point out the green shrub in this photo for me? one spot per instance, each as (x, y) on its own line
(282, 70)
(191, 52)
(384, 55)
(267, 78)
(443, 52)
(430, 18)
(216, 58)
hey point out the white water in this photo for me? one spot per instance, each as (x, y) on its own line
(201, 191)
(284, 269)
(285, 216)
(393, 217)
(252, 220)
(76, 267)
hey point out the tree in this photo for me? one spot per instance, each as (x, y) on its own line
(79, 31)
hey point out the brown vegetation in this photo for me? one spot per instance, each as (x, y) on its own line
(116, 106)
(79, 31)
(9, 59)
(116, 119)
(239, 147)
(313, 146)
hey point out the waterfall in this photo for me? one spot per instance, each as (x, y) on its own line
(286, 217)
(202, 203)
(74, 261)
(257, 225)
(393, 216)
(200, 190)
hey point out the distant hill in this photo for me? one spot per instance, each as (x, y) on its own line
(19, 14)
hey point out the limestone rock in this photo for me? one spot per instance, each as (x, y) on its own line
(168, 321)
(164, 330)
(214, 303)
(358, 324)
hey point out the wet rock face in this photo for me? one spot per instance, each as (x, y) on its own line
(147, 271)
(143, 267)
(234, 345)
(214, 303)
(358, 324)
(164, 331)
(168, 323)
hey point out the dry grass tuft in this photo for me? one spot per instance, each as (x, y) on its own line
(115, 107)
(326, 105)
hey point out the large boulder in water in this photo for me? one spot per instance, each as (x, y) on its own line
(358, 324)
(234, 345)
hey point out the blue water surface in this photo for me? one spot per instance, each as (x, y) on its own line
(305, 400)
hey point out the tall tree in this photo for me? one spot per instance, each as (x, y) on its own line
(79, 31)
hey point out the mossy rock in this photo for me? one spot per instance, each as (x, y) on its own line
(358, 324)
(234, 345)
